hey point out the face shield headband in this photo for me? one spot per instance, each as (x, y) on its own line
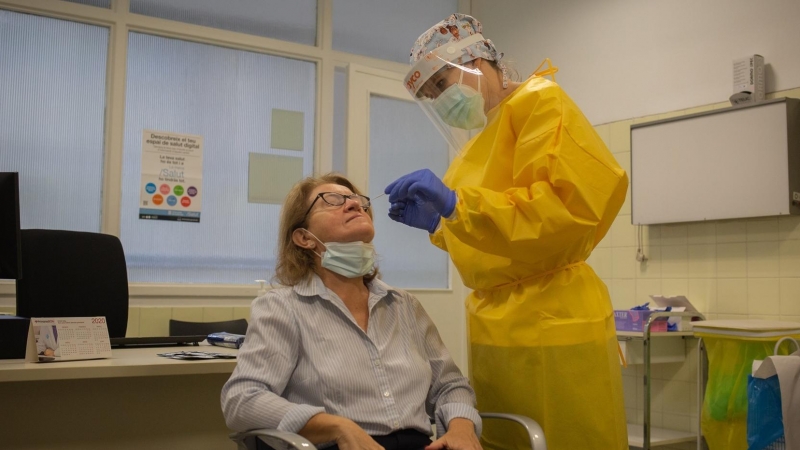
(437, 59)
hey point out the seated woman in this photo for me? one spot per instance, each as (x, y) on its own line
(337, 355)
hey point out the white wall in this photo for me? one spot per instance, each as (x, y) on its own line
(621, 59)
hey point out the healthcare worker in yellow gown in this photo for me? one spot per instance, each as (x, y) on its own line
(530, 194)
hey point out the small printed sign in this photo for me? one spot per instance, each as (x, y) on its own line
(172, 176)
(67, 339)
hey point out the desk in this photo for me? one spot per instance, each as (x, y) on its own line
(134, 400)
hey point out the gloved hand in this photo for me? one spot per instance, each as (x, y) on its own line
(416, 213)
(425, 186)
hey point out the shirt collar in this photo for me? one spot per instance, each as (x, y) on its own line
(314, 287)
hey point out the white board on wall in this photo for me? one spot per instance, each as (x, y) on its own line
(727, 164)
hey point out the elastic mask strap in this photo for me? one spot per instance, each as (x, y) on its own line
(315, 237)
(550, 70)
(461, 81)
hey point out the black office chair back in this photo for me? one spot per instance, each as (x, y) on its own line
(74, 274)
(181, 328)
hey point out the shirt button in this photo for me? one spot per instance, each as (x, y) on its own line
(386, 394)
(377, 362)
(396, 424)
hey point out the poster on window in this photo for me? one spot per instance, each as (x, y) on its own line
(172, 176)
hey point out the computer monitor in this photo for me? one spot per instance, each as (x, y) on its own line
(10, 235)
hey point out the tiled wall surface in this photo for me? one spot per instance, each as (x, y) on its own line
(732, 269)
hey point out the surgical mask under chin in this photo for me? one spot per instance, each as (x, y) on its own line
(461, 106)
(349, 259)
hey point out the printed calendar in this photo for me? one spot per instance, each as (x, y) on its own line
(68, 338)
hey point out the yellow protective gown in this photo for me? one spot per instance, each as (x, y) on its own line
(537, 190)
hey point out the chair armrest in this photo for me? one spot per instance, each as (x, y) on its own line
(279, 440)
(535, 432)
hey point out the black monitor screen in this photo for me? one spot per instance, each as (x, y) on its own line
(10, 254)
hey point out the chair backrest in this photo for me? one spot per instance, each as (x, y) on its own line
(181, 328)
(74, 274)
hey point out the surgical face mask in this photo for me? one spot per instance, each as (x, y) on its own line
(349, 259)
(461, 106)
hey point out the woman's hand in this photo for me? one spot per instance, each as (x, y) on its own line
(460, 436)
(348, 435)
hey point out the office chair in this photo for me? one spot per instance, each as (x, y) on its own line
(181, 328)
(74, 274)
(281, 440)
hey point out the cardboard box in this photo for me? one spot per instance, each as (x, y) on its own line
(636, 319)
(748, 80)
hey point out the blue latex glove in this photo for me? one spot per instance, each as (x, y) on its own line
(423, 185)
(416, 213)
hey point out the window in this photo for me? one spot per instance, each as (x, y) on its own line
(294, 20)
(226, 96)
(51, 118)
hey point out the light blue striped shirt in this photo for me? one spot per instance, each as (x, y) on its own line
(305, 354)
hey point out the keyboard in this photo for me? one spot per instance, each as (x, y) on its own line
(157, 341)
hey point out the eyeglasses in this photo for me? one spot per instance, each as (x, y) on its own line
(337, 199)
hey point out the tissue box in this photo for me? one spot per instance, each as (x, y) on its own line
(635, 320)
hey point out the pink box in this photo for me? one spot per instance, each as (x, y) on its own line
(635, 320)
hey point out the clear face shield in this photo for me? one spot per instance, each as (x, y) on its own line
(451, 93)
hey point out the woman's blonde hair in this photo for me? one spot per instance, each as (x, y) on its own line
(294, 263)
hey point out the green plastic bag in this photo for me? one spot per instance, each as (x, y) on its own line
(724, 416)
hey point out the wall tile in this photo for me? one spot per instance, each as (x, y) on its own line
(703, 294)
(674, 234)
(680, 397)
(702, 261)
(790, 259)
(241, 312)
(133, 323)
(623, 234)
(671, 287)
(154, 321)
(623, 262)
(732, 260)
(702, 233)
(789, 227)
(217, 314)
(789, 297)
(682, 422)
(650, 268)
(624, 294)
(732, 295)
(731, 231)
(763, 259)
(620, 134)
(605, 133)
(629, 388)
(765, 229)
(646, 288)
(651, 235)
(188, 314)
(763, 295)
(600, 260)
(675, 261)
(624, 161)
(626, 205)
